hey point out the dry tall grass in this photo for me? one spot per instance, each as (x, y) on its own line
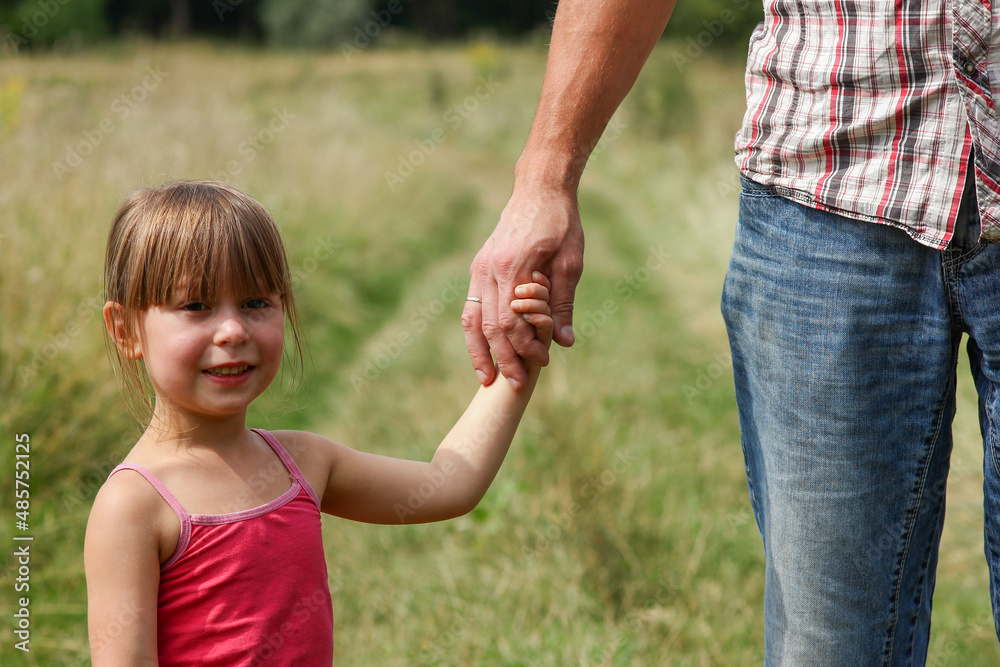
(618, 532)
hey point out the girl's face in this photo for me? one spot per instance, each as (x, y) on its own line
(212, 359)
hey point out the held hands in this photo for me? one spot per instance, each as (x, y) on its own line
(533, 304)
(530, 307)
(538, 230)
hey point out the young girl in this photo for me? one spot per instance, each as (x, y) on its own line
(204, 546)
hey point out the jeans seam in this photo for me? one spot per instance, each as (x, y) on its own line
(921, 488)
(988, 442)
(955, 257)
(990, 548)
(760, 194)
(988, 436)
(953, 286)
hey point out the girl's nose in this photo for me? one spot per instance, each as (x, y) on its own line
(232, 330)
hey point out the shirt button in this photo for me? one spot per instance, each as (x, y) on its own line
(969, 67)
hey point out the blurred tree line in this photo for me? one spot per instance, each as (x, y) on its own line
(329, 23)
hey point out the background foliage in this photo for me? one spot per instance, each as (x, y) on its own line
(322, 23)
(619, 530)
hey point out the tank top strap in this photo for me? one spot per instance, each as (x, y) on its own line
(286, 458)
(185, 537)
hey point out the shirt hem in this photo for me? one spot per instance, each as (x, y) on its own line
(807, 199)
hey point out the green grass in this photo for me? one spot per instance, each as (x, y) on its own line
(618, 531)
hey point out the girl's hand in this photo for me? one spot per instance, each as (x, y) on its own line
(532, 303)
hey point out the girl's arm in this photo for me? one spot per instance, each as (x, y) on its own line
(379, 489)
(122, 561)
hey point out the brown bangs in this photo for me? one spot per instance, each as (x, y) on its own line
(202, 238)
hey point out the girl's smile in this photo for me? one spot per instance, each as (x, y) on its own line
(229, 375)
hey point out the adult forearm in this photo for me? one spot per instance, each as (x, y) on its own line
(598, 48)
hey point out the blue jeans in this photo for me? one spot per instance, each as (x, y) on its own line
(845, 337)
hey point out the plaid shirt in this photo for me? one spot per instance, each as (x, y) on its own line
(870, 109)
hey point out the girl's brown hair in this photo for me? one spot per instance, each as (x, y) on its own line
(204, 237)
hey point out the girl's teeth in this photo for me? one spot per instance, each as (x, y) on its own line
(228, 370)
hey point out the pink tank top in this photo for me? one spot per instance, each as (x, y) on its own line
(247, 588)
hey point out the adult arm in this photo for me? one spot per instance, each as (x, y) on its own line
(598, 48)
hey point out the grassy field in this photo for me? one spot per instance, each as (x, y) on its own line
(619, 530)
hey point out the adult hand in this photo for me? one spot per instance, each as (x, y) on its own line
(539, 229)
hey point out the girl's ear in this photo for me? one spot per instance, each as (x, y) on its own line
(114, 320)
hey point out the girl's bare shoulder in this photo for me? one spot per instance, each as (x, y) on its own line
(312, 453)
(129, 509)
(127, 494)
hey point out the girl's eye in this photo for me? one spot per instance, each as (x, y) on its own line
(257, 303)
(194, 307)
